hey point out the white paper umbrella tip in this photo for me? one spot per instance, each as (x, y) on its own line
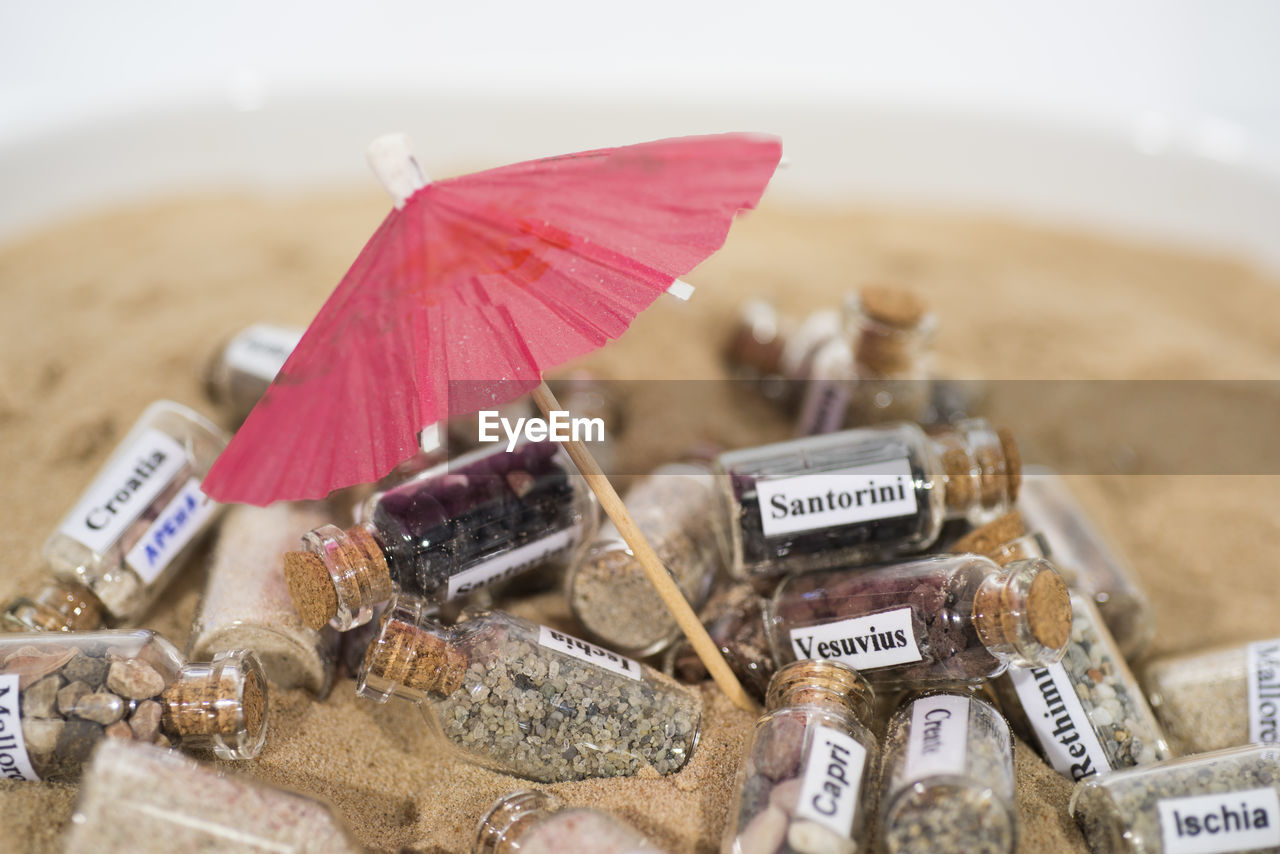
(391, 158)
(680, 290)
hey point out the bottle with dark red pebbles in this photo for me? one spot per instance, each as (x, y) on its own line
(861, 495)
(931, 621)
(446, 532)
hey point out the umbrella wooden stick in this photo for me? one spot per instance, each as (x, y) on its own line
(688, 621)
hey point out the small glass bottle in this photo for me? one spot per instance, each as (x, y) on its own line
(1210, 803)
(947, 785)
(239, 372)
(734, 617)
(861, 495)
(1218, 698)
(453, 529)
(1089, 563)
(931, 621)
(62, 693)
(754, 350)
(530, 700)
(131, 529)
(246, 607)
(609, 593)
(1086, 713)
(893, 332)
(529, 822)
(146, 800)
(805, 783)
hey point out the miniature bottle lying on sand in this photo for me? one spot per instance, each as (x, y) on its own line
(1218, 698)
(132, 528)
(1088, 562)
(142, 799)
(451, 530)
(609, 593)
(528, 822)
(239, 372)
(63, 693)
(246, 606)
(775, 351)
(932, 621)
(805, 785)
(1086, 713)
(734, 617)
(878, 370)
(861, 495)
(947, 786)
(1211, 803)
(530, 700)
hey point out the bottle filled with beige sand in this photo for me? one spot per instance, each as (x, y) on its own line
(927, 622)
(62, 693)
(246, 604)
(806, 783)
(609, 593)
(452, 530)
(529, 822)
(1085, 713)
(531, 700)
(143, 799)
(132, 529)
(1209, 803)
(861, 495)
(947, 786)
(239, 372)
(1218, 698)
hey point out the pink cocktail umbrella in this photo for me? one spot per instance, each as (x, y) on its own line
(470, 289)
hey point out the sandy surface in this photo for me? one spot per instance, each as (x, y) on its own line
(104, 315)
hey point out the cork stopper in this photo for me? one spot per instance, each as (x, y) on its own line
(821, 682)
(1012, 462)
(221, 705)
(990, 537)
(1024, 611)
(958, 467)
(893, 306)
(311, 588)
(337, 575)
(414, 657)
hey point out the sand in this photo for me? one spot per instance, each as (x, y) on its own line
(105, 314)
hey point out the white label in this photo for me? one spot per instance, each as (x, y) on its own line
(183, 518)
(261, 351)
(939, 735)
(512, 563)
(14, 762)
(831, 499)
(1054, 711)
(1264, 691)
(123, 490)
(1222, 822)
(589, 652)
(864, 643)
(832, 777)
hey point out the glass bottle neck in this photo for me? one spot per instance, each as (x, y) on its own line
(1023, 613)
(59, 606)
(338, 576)
(412, 657)
(510, 819)
(220, 705)
(981, 470)
(893, 329)
(822, 683)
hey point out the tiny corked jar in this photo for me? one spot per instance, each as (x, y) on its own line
(931, 621)
(1218, 698)
(530, 700)
(1088, 562)
(947, 783)
(246, 605)
(806, 782)
(465, 524)
(1085, 713)
(131, 530)
(861, 495)
(62, 693)
(609, 593)
(529, 822)
(238, 373)
(1210, 803)
(143, 799)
